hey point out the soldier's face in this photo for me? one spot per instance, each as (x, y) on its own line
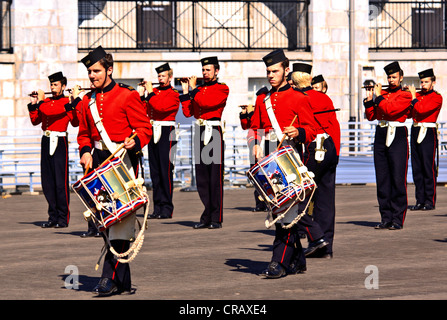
(99, 76)
(209, 73)
(318, 86)
(164, 78)
(427, 84)
(276, 75)
(57, 88)
(395, 79)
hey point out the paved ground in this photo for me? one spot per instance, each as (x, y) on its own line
(180, 263)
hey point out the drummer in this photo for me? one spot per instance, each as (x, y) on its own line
(110, 115)
(274, 111)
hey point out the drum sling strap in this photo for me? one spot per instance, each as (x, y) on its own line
(99, 126)
(272, 118)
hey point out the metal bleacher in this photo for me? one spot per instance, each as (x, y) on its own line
(20, 157)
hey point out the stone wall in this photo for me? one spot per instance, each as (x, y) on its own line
(45, 41)
(44, 36)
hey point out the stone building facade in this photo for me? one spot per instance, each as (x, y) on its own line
(45, 40)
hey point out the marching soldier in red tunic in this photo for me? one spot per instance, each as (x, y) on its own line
(286, 103)
(391, 107)
(321, 157)
(206, 103)
(52, 114)
(120, 112)
(162, 107)
(426, 104)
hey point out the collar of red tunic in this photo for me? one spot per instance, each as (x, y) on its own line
(58, 97)
(108, 88)
(305, 89)
(426, 93)
(210, 83)
(164, 88)
(283, 88)
(395, 89)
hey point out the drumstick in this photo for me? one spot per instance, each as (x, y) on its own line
(282, 140)
(118, 149)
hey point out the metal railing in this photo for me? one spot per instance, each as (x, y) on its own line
(5, 26)
(407, 24)
(20, 156)
(193, 25)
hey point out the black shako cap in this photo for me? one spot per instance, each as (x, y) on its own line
(302, 67)
(391, 68)
(162, 68)
(93, 57)
(58, 76)
(274, 57)
(317, 79)
(209, 60)
(426, 73)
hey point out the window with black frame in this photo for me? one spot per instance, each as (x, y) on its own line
(5, 26)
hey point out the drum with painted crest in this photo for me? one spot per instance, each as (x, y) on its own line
(282, 181)
(110, 193)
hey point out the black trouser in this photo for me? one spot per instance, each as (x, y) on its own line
(391, 166)
(287, 247)
(161, 164)
(423, 163)
(112, 268)
(322, 221)
(209, 165)
(54, 172)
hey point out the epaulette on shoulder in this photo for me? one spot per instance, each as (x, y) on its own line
(123, 85)
(437, 92)
(223, 83)
(262, 90)
(174, 89)
(300, 91)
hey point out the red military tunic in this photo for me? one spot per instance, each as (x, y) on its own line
(245, 120)
(327, 122)
(286, 103)
(427, 106)
(53, 116)
(392, 105)
(163, 104)
(207, 101)
(121, 111)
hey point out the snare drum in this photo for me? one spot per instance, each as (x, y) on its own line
(110, 193)
(282, 181)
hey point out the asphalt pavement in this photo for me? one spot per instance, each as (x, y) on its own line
(179, 263)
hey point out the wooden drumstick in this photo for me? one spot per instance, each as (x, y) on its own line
(282, 140)
(117, 150)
